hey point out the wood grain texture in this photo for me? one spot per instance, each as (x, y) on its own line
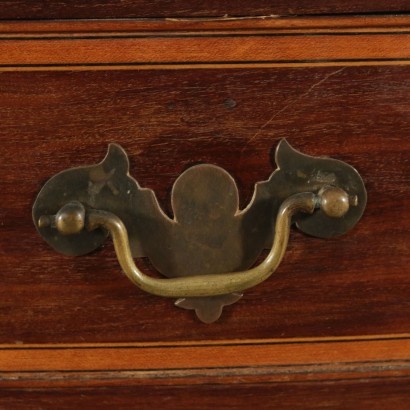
(168, 120)
(300, 24)
(199, 49)
(203, 43)
(101, 9)
(329, 330)
(375, 393)
(389, 353)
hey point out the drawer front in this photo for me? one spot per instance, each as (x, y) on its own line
(178, 93)
(170, 119)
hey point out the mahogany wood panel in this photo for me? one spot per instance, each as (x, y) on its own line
(73, 9)
(389, 353)
(64, 28)
(196, 50)
(168, 120)
(214, 43)
(375, 393)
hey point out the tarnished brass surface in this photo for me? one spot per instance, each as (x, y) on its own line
(206, 250)
(206, 285)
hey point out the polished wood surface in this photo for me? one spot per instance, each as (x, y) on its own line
(168, 120)
(374, 392)
(377, 393)
(102, 9)
(331, 329)
(117, 28)
(180, 44)
(257, 49)
(50, 375)
(331, 353)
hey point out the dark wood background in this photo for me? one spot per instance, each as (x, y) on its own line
(167, 120)
(347, 394)
(101, 9)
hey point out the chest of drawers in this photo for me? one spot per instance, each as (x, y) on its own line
(179, 85)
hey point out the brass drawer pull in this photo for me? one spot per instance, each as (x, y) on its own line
(208, 236)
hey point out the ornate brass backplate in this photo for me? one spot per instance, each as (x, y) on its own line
(208, 233)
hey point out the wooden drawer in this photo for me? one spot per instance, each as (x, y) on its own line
(334, 321)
